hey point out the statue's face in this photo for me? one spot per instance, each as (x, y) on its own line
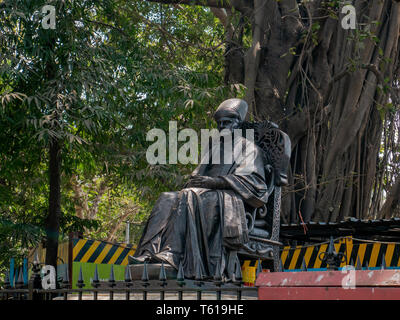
(229, 123)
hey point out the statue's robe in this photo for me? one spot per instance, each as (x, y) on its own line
(198, 226)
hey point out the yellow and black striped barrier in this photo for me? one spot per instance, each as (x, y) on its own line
(368, 253)
(101, 252)
(249, 268)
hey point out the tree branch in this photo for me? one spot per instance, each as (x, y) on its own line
(381, 80)
(243, 6)
(121, 219)
(174, 38)
(223, 17)
(208, 3)
(100, 192)
(391, 201)
(107, 25)
(252, 57)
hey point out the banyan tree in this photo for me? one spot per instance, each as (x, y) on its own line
(327, 73)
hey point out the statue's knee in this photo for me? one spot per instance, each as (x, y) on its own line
(169, 195)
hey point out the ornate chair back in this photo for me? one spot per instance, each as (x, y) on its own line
(264, 222)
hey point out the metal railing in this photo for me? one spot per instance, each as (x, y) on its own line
(162, 288)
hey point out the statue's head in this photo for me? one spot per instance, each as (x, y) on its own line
(230, 114)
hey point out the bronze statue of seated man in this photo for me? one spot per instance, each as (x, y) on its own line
(200, 225)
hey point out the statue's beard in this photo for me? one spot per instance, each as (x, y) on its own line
(229, 130)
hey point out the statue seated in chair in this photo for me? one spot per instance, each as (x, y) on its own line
(201, 225)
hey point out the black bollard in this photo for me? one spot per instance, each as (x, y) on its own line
(163, 281)
(128, 281)
(383, 264)
(198, 280)
(145, 280)
(80, 283)
(111, 282)
(95, 282)
(237, 280)
(35, 282)
(303, 265)
(218, 280)
(180, 279)
(358, 264)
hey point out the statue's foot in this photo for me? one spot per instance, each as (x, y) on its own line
(139, 260)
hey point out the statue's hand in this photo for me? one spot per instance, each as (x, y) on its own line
(196, 182)
(206, 182)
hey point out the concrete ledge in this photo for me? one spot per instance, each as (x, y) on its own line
(153, 270)
(330, 285)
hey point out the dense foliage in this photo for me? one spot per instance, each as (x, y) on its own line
(108, 73)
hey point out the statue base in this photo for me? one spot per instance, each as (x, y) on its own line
(153, 270)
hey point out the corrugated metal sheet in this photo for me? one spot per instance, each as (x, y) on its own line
(382, 230)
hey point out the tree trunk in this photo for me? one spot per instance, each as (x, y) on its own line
(53, 219)
(322, 84)
(328, 87)
(392, 201)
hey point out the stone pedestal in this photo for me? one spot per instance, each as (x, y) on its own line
(153, 270)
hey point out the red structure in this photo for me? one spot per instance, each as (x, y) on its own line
(330, 285)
